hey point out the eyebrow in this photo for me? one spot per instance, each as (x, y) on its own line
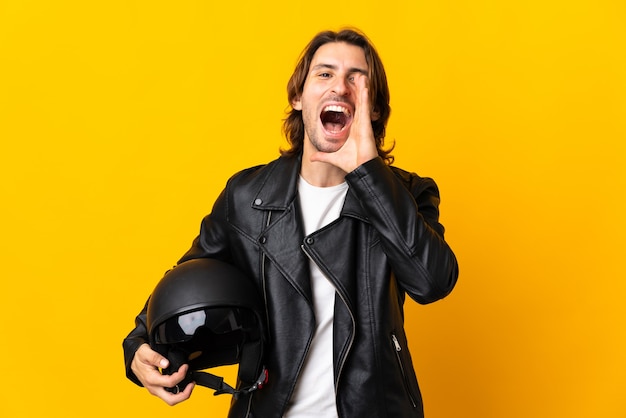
(334, 67)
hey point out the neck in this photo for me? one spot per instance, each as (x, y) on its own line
(320, 174)
(317, 175)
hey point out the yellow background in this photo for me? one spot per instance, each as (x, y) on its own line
(121, 120)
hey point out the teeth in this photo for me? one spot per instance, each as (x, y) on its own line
(337, 108)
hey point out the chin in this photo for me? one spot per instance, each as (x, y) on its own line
(330, 146)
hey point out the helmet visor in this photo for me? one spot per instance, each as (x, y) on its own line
(182, 328)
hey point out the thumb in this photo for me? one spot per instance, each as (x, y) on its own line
(319, 156)
(153, 358)
(162, 362)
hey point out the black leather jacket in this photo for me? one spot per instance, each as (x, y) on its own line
(386, 244)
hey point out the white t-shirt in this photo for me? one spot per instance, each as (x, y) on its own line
(314, 395)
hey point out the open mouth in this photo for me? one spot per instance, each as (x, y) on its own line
(335, 118)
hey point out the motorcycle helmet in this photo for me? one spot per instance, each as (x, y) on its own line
(206, 313)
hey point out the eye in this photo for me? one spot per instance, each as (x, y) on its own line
(324, 75)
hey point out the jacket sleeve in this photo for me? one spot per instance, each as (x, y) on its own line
(404, 209)
(212, 243)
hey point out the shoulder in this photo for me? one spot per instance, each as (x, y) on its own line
(414, 181)
(273, 184)
(257, 175)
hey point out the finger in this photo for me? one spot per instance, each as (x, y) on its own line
(362, 104)
(148, 356)
(168, 380)
(158, 383)
(175, 398)
(180, 374)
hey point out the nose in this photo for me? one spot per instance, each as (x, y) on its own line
(342, 86)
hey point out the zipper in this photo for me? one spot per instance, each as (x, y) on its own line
(249, 405)
(398, 349)
(267, 314)
(267, 317)
(343, 360)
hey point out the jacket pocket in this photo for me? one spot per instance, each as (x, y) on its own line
(403, 370)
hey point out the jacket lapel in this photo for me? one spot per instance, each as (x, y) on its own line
(281, 236)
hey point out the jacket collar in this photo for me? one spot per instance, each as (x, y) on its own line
(279, 189)
(279, 186)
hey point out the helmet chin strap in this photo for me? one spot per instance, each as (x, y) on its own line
(177, 358)
(217, 383)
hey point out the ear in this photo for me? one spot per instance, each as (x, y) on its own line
(296, 103)
(374, 115)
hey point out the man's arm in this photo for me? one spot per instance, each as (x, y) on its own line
(404, 209)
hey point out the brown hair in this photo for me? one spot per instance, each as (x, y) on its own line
(293, 125)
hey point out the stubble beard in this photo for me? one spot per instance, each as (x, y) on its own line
(321, 145)
(316, 138)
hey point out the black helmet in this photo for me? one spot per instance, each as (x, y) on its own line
(206, 313)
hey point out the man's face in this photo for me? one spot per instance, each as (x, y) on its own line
(329, 95)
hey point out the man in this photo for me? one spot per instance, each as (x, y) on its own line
(334, 237)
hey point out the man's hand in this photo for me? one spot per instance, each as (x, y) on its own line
(360, 147)
(146, 364)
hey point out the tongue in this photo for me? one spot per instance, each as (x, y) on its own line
(333, 127)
